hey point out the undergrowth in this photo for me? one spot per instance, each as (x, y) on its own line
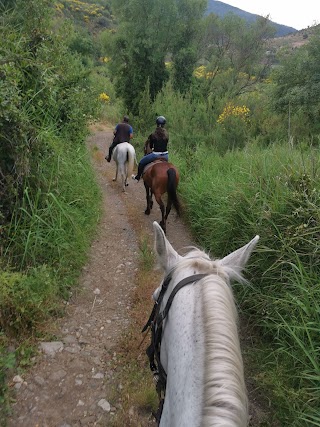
(274, 193)
(49, 198)
(47, 244)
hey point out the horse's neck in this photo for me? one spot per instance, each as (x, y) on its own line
(183, 359)
(202, 358)
(225, 398)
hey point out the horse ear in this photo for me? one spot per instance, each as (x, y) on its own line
(167, 256)
(238, 259)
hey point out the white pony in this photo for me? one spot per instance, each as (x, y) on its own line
(125, 156)
(197, 348)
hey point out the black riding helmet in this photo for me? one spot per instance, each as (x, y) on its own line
(161, 121)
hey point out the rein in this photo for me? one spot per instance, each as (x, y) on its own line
(155, 323)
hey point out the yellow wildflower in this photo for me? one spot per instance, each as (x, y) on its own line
(104, 97)
(242, 112)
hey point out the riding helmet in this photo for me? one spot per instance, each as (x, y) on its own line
(161, 121)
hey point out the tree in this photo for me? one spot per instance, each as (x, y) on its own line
(184, 46)
(298, 83)
(184, 64)
(44, 89)
(146, 113)
(148, 32)
(234, 54)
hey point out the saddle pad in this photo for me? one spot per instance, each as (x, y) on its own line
(149, 165)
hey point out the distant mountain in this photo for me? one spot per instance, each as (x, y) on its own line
(222, 9)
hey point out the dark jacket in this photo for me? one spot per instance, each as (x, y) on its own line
(158, 140)
(123, 133)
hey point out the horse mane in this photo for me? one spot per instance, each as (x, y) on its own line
(225, 398)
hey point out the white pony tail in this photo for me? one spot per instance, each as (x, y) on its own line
(131, 159)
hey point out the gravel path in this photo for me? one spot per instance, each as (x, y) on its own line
(69, 383)
(73, 374)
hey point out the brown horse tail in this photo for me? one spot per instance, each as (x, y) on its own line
(172, 190)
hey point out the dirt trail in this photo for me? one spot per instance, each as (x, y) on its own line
(73, 375)
(69, 384)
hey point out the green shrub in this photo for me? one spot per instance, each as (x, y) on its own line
(44, 88)
(7, 362)
(53, 225)
(275, 193)
(27, 300)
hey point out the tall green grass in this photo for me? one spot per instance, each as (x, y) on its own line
(49, 198)
(47, 244)
(54, 226)
(275, 193)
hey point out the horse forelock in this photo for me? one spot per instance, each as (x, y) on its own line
(196, 261)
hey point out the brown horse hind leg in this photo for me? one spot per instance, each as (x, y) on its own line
(162, 208)
(163, 226)
(168, 208)
(151, 201)
(148, 197)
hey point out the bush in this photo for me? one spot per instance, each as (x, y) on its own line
(49, 198)
(27, 300)
(274, 193)
(44, 88)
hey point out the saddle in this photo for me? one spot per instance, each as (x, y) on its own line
(149, 165)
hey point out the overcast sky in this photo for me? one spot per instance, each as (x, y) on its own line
(296, 14)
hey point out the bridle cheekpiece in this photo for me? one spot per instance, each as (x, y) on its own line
(155, 323)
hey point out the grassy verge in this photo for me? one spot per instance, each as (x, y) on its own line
(137, 397)
(274, 193)
(47, 244)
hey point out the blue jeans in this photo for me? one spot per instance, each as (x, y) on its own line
(148, 159)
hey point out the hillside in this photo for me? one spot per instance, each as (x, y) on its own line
(96, 15)
(221, 9)
(294, 40)
(93, 15)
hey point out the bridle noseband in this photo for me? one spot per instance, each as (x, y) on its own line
(155, 323)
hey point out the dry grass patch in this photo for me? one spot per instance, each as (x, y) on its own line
(136, 392)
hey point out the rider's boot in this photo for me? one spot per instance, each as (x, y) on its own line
(108, 157)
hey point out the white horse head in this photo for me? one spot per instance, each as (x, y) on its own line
(200, 348)
(124, 155)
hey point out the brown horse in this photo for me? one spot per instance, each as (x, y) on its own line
(162, 177)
